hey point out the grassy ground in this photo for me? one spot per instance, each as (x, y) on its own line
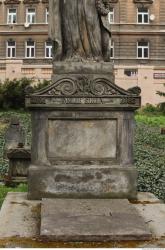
(149, 151)
(4, 190)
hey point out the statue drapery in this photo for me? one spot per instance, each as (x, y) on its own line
(80, 30)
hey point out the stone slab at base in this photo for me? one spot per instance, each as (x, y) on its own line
(19, 217)
(91, 220)
(82, 181)
(154, 216)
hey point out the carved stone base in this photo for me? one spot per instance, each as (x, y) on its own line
(82, 135)
(88, 181)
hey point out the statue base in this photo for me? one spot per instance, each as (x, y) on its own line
(82, 135)
(82, 181)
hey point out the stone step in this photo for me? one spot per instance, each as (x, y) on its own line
(93, 220)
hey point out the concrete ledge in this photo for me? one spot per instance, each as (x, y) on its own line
(19, 217)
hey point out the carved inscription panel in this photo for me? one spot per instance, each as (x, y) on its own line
(82, 138)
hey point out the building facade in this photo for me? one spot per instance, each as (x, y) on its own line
(137, 44)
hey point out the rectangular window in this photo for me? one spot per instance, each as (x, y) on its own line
(131, 72)
(143, 15)
(112, 49)
(143, 50)
(111, 15)
(30, 15)
(47, 15)
(12, 16)
(11, 49)
(48, 49)
(30, 49)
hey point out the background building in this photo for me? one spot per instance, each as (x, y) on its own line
(137, 46)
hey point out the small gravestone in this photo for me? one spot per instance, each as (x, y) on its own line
(82, 133)
(15, 151)
(15, 135)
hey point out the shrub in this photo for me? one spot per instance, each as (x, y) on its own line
(12, 92)
(161, 105)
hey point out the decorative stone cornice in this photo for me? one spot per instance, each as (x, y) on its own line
(31, 1)
(11, 1)
(45, 1)
(143, 1)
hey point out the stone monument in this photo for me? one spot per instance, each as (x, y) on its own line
(82, 124)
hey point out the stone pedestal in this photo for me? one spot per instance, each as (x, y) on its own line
(82, 135)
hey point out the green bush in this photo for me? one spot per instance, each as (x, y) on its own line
(162, 107)
(12, 92)
(150, 109)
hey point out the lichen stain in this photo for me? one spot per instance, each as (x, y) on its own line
(20, 203)
(40, 243)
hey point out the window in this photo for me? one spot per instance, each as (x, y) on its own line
(47, 15)
(111, 15)
(30, 49)
(143, 49)
(30, 15)
(131, 72)
(11, 49)
(11, 16)
(112, 49)
(48, 49)
(143, 15)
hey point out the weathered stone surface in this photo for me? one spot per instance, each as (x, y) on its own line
(9, 213)
(145, 197)
(19, 162)
(19, 217)
(77, 36)
(83, 139)
(91, 220)
(82, 121)
(15, 136)
(78, 181)
(154, 216)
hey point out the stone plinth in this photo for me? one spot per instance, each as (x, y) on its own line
(82, 135)
(91, 220)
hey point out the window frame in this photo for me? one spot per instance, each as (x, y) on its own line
(47, 15)
(12, 15)
(111, 15)
(31, 15)
(143, 50)
(49, 48)
(112, 49)
(143, 16)
(10, 48)
(30, 49)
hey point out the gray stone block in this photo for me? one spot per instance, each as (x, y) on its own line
(91, 220)
(19, 217)
(78, 181)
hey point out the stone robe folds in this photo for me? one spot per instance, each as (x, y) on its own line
(78, 30)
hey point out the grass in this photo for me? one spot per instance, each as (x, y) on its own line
(4, 190)
(151, 120)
